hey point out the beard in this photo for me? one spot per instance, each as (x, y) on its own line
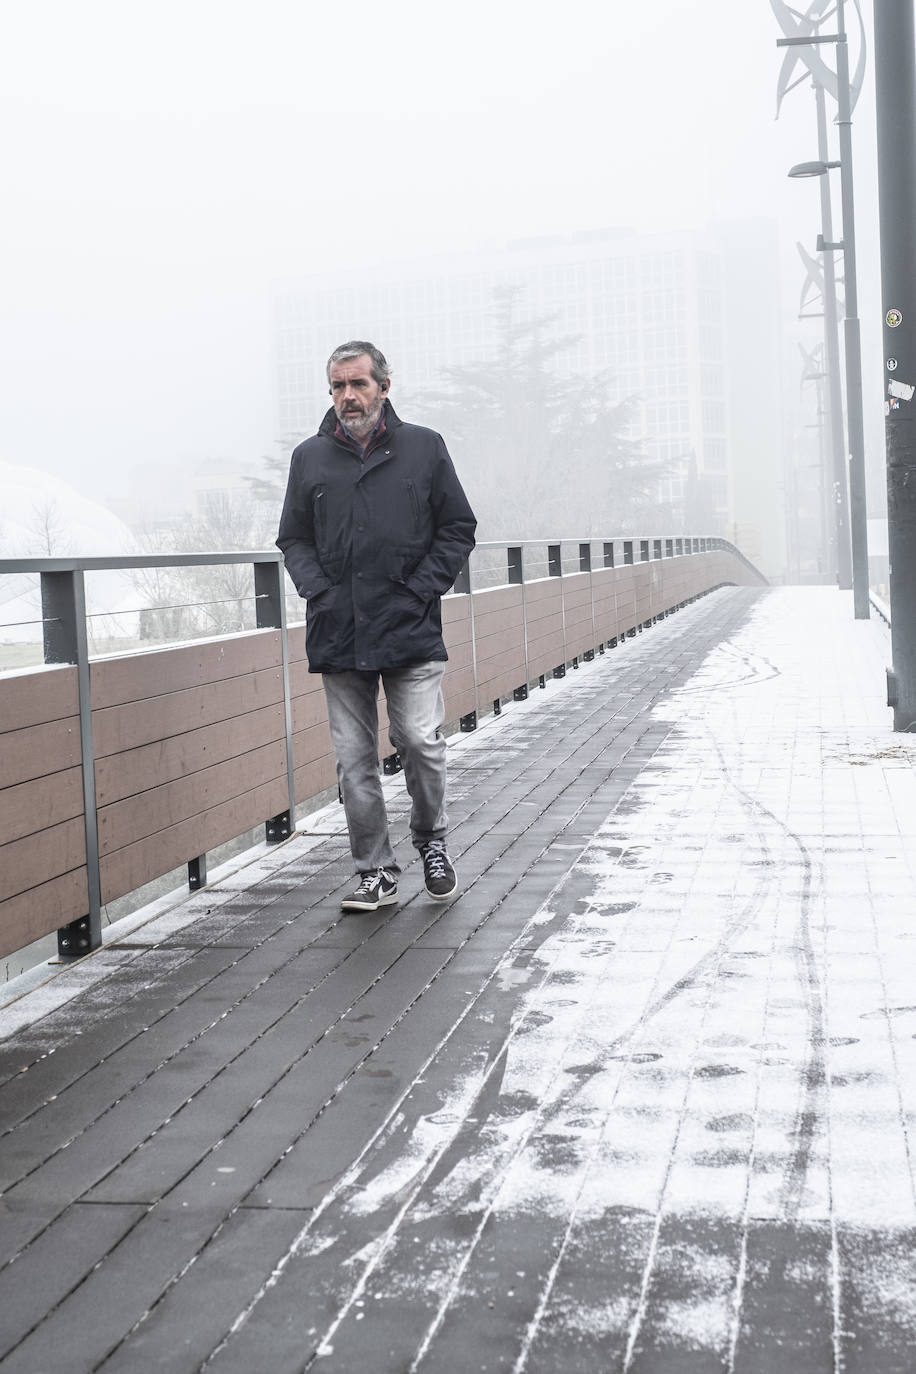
(362, 422)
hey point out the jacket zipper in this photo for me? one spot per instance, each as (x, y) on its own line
(415, 506)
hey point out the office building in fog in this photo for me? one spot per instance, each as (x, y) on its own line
(687, 323)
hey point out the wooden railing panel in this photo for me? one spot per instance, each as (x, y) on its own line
(605, 601)
(190, 742)
(499, 642)
(151, 765)
(501, 682)
(134, 865)
(459, 691)
(139, 677)
(312, 744)
(577, 615)
(120, 727)
(35, 695)
(501, 667)
(456, 611)
(546, 642)
(40, 857)
(314, 777)
(161, 807)
(39, 751)
(459, 684)
(309, 708)
(187, 741)
(43, 908)
(43, 881)
(315, 767)
(34, 806)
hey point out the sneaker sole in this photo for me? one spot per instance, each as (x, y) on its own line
(351, 905)
(442, 896)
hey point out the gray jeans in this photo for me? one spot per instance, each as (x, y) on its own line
(415, 715)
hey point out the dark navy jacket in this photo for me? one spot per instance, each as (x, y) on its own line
(373, 544)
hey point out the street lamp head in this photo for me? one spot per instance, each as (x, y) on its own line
(811, 169)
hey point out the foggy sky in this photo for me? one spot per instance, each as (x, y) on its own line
(164, 167)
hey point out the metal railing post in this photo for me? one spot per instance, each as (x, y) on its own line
(468, 721)
(270, 614)
(63, 608)
(521, 693)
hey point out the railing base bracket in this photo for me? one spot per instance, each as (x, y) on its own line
(278, 828)
(75, 940)
(197, 872)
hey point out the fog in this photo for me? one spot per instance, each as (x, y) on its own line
(166, 167)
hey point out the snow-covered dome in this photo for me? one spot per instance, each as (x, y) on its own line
(42, 516)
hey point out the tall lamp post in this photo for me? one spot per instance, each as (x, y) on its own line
(813, 371)
(852, 336)
(857, 508)
(817, 285)
(839, 488)
(895, 88)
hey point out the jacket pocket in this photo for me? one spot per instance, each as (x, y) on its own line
(404, 559)
(415, 511)
(320, 515)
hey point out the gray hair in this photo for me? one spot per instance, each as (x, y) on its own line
(381, 372)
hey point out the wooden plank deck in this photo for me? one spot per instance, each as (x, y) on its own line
(235, 1149)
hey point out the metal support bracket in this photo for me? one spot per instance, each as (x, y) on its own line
(278, 828)
(197, 872)
(468, 722)
(391, 765)
(520, 693)
(75, 940)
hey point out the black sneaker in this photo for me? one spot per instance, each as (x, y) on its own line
(441, 878)
(374, 890)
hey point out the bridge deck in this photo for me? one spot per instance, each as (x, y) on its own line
(640, 1099)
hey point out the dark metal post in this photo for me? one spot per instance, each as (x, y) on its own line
(462, 583)
(857, 515)
(63, 608)
(270, 614)
(197, 872)
(839, 506)
(895, 83)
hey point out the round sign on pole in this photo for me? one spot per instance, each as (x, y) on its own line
(894, 318)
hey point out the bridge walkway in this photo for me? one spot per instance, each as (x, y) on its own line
(640, 1099)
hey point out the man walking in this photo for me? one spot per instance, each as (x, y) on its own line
(375, 528)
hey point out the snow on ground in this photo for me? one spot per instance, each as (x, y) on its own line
(726, 1025)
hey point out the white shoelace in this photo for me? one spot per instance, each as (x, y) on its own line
(436, 860)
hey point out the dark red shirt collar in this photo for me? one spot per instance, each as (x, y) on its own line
(344, 435)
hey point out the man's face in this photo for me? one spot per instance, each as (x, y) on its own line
(356, 395)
